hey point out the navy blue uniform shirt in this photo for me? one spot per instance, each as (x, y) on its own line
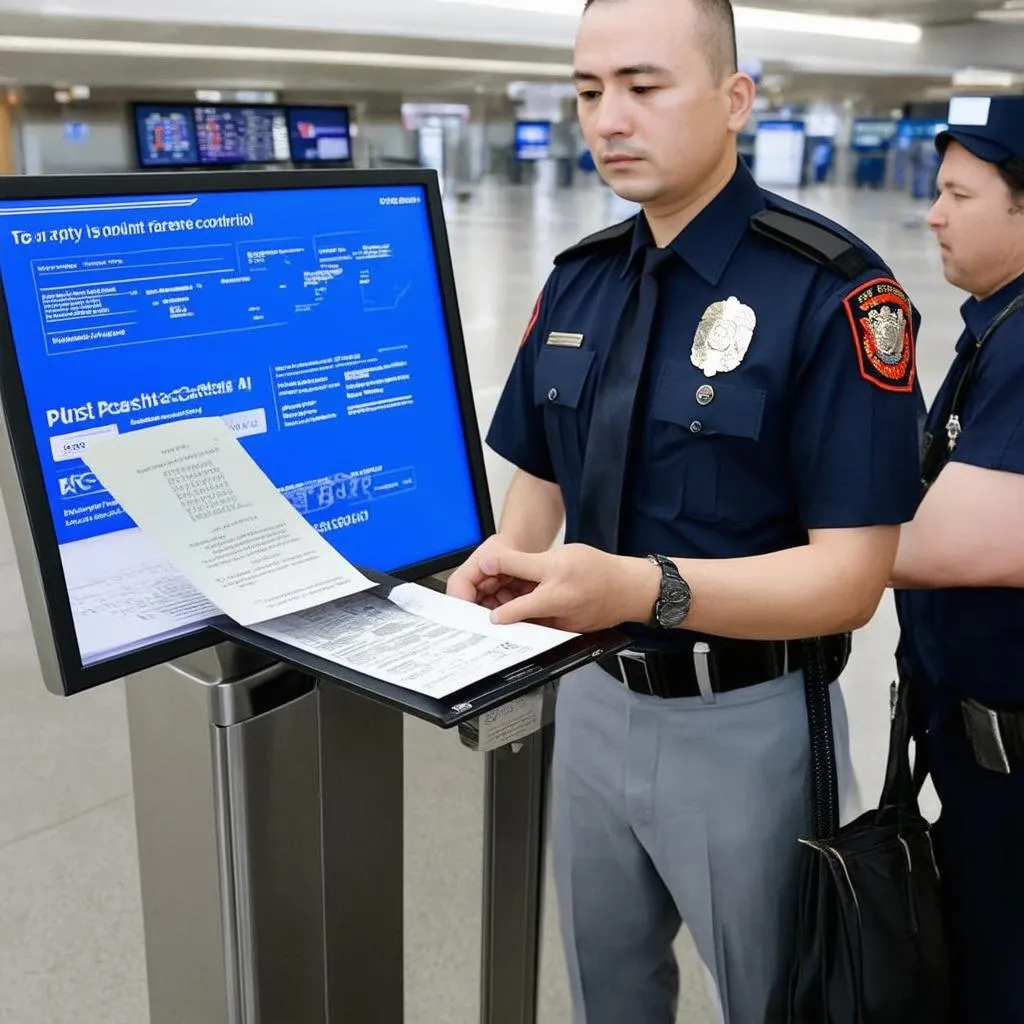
(970, 642)
(816, 428)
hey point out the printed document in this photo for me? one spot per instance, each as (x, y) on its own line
(124, 593)
(417, 639)
(203, 501)
(200, 498)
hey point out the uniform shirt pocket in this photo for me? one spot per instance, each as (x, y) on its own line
(700, 433)
(561, 376)
(559, 389)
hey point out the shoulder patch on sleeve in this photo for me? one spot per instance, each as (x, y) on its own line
(596, 241)
(534, 317)
(882, 320)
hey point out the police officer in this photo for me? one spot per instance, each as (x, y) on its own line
(961, 562)
(717, 398)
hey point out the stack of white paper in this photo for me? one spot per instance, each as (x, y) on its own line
(206, 505)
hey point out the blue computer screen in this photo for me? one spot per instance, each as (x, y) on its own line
(533, 140)
(166, 136)
(311, 320)
(319, 134)
(872, 134)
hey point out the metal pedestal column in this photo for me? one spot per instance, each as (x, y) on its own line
(269, 817)
(514, 843)
(364, 858)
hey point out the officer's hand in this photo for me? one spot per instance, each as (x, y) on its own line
(471, 583)
(577, 588)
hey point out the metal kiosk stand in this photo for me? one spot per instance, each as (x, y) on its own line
(268, 784)
(269, 805)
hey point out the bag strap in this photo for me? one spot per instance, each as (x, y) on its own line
(902, 785)
(903, 782)
(936, 455)
(824, 773)
(922, 767)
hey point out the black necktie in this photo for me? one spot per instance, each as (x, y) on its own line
(612, 422)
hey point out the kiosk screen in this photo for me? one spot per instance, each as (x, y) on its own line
(314, 313)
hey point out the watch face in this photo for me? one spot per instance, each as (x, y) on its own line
(674, 605)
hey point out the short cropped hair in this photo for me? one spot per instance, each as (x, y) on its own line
(1012, 172)
(717, 34)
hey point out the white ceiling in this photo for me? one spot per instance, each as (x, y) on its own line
(923, 12)
(339, 44)
(446, 20)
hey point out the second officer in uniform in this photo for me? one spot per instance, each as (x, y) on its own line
(960, 569)
(717, 398)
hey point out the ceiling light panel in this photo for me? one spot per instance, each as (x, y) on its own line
(762, 19)
(271, 55)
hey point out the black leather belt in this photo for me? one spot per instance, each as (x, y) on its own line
(996, 736)
(718, 666)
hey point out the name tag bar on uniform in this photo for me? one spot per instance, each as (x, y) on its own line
(562, 340)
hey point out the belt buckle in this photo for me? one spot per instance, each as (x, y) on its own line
(630, 660)
(985, 732)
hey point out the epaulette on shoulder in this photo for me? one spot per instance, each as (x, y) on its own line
(598, 241)
(813, 241)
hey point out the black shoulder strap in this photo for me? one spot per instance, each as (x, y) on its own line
(598, 240)
(824, 770)
(936, 455)
(811, 240)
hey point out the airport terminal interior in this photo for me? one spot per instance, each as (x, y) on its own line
(851, 94)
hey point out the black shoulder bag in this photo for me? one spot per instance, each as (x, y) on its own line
(871, 945)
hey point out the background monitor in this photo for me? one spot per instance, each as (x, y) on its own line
(315, 313)
(533, 140)
(319, 135)
(235, 135)
(872, 133)
(165, 136)
(779, 152)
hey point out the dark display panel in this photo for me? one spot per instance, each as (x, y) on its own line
(166, 136)
(242, 135)
(320, 134)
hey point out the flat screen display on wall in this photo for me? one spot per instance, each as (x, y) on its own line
(166, 136)
(319, 135)
(229, 135)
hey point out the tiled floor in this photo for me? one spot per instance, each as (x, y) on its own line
(70, 923)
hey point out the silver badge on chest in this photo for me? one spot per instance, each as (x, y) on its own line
(723, 337)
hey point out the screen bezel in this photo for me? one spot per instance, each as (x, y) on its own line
(291, 108)
(40, 567)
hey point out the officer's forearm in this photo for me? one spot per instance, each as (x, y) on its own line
(924, 565)
(832, 585)
(533, 514)
(966, 533)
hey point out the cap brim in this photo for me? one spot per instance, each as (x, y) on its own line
(984, 149)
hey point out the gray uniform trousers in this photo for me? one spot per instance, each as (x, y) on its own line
(672, 811)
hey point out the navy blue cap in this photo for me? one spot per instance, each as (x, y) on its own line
(991, 127)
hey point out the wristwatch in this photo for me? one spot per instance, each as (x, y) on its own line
(675, 599)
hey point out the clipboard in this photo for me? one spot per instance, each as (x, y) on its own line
(455, 708)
